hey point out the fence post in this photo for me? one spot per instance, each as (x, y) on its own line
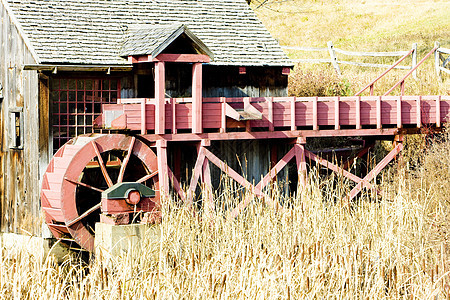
(414, 60)
(334, 60)
(437, 61)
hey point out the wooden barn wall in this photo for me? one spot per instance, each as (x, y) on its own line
(20, 209)
(218, 81)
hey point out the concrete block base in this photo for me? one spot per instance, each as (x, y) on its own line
(15, 244)
(113, 241)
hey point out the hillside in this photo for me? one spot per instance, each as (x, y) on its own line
(362, 26)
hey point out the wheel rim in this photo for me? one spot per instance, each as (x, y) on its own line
(99, 163)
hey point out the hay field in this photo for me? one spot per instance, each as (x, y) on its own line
(391, 246)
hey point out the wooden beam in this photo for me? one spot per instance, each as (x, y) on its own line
(195, 176)
(160, 98)
(301, 164)
(333, 167)
(215, 136)
(187, 58)
(276, 169)
(197, 98)
(375, 171)
(163, 172)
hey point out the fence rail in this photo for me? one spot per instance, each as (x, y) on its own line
(440, 57)
(442, 63)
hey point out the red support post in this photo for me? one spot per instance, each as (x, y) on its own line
(223, 119)
(270, 114)
(315, 117)
(358, 112)
(337, 125)
(197, 98)
(301, 164)
(163, 173)
(174, 115)
(293, 126)
(419, 111)
(379, 124)
(399, 112)
(143, 117)
(438, 111)
(160, 98)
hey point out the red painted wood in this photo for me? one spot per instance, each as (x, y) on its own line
(160, 96)
(301, 164)
(163, 173)
(276, 169)
(293, 124)
(309, 112)
(375, 171)
(187, 58)
(197, 98)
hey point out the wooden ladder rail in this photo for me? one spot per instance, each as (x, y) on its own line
(371, 84)
(402, 81)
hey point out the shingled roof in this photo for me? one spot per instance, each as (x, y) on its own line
(92, 32)
(154, 39)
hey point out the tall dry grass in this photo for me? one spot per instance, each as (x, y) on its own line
(391, 246)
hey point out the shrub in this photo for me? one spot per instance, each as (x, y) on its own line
(318, 82)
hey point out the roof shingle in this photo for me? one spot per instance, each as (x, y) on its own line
(92, 32)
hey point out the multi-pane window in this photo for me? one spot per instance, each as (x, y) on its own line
(76, 103)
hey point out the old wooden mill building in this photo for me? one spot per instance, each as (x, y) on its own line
(183, 91)
(61, 60)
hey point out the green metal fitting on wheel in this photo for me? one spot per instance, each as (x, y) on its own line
(121, 190)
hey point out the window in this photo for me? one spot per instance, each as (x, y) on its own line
(16, 131)
(75, 103)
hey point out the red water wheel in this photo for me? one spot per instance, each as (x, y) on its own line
(81, 170)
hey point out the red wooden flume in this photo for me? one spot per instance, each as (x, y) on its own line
(112, 175)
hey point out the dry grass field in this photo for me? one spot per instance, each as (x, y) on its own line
(313, 245)
(391, 246)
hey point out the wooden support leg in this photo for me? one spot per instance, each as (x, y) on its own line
(301, 164)
(207, 184)
(163, 172)
(335, 168)
(176, 185)
(375, 171)
(349, 162)
(198, 168)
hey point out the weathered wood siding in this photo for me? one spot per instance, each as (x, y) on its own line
(20, 209)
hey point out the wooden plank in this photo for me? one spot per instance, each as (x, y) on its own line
(270, 114)
(197, 98)
(160, 97)
(336, 114)
(315, 114)
(186, 58)
(293, 126)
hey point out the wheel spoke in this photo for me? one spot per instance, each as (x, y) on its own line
(126, 160)
(102, 165)
(83, 215)
(147, 177)
(84, 184)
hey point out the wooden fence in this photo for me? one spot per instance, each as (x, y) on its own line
(442, 63)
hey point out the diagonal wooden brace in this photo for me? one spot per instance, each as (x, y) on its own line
(195, 176)
(375, 171)
(176, 185)
(336, 168)
(276, 169)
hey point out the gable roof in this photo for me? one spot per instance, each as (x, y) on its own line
(153, 39)
(92, 31)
